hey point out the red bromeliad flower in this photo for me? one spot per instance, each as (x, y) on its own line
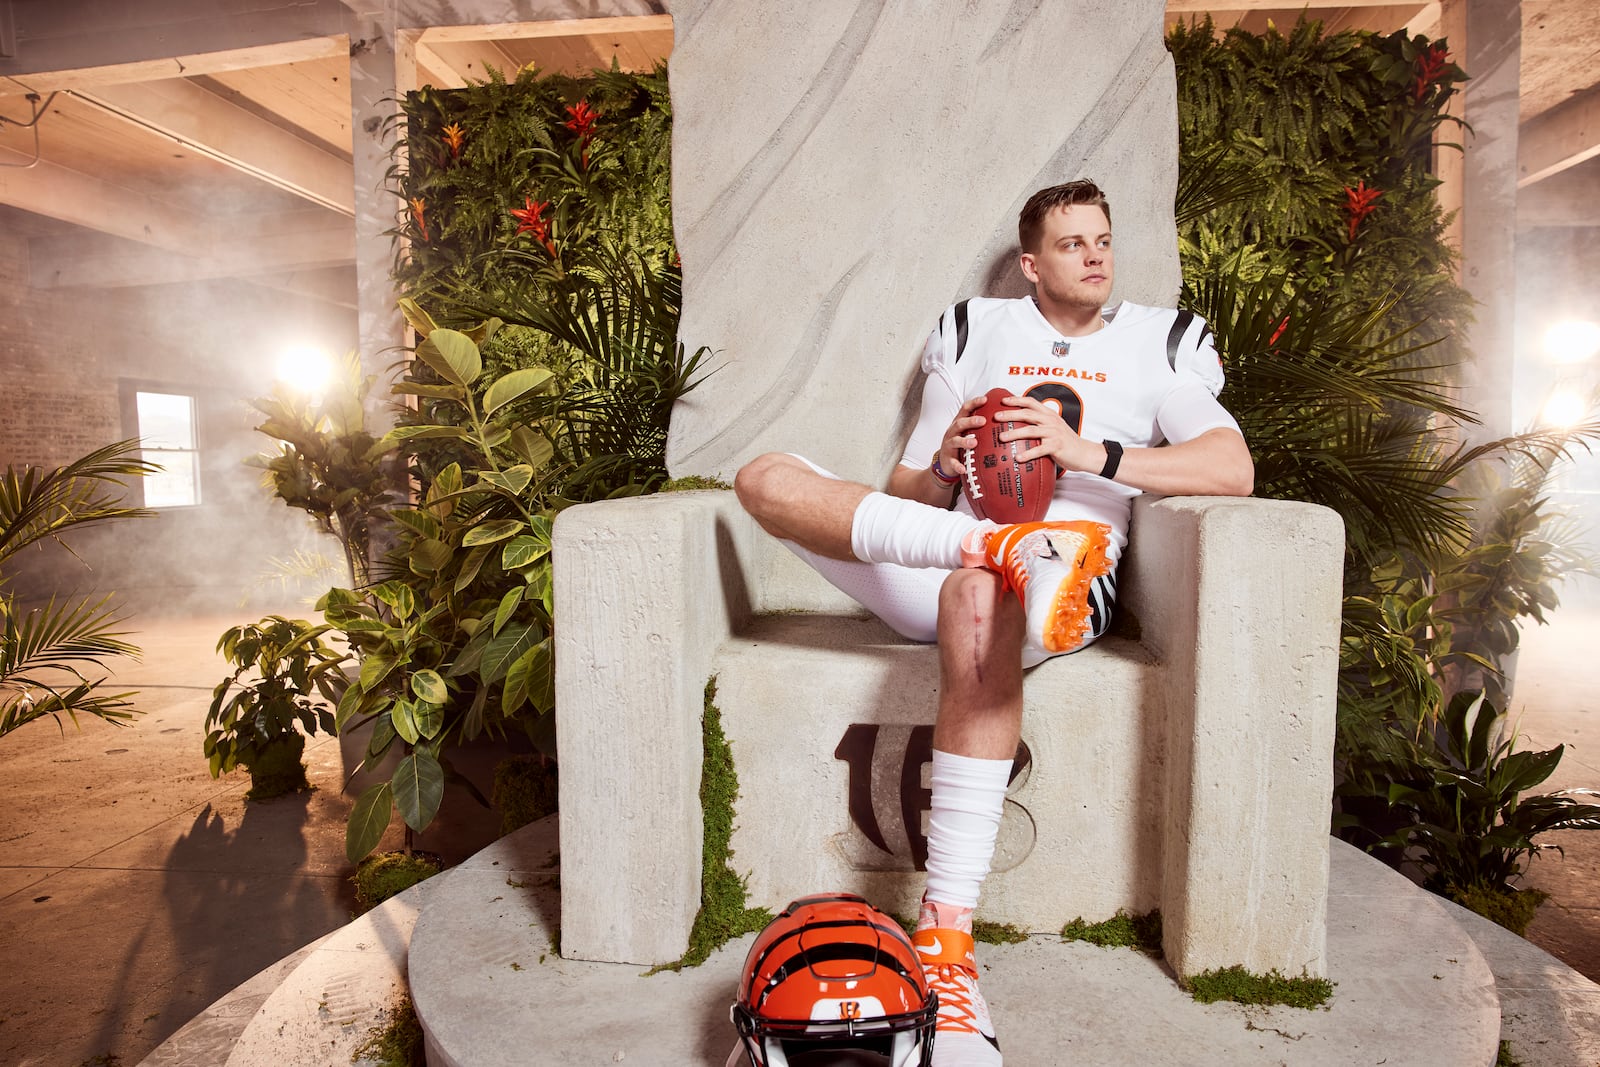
(418, 212)
(1282, 326)
(455, 137)
(1359, 202)
(530, 219)
(1430, 67)
(580, 120)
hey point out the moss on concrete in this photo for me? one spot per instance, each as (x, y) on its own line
(1142, 932)
(1505, 1058)
(723, 915)
(1513, 909)
(691, 482)
(384, 874)
(525, 790)
(1242, 987)
(997, 933)
(398, 1043)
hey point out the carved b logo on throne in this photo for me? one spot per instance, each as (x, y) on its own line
(888, 799)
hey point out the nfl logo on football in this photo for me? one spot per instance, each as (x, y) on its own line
(1059, 349)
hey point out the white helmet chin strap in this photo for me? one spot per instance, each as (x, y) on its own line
(907, 1050)
(775, 1054)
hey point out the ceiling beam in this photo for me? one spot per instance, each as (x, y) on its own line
(1571, 198)
(55, 192)
(1562, 137)
(508, 31)
(330, 285)
(1427, 21)
(1185, 7)
(216, 128)
(257, 245)
(267, 55)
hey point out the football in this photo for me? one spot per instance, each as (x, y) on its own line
(998, 487)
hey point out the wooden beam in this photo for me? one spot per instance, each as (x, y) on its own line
(330, 285)
(1185, 7)
(1427, 21)
(506, 31)
(84, 200)
(249, 245)
(266, 55)
(1562, 137)
(466, 61)
(214, 127)
(416, 67)
(1571, 198)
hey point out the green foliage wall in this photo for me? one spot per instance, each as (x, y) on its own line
(545, 202)
(1313, 244)
(1329, 139)
(535, 216)
(507, 185)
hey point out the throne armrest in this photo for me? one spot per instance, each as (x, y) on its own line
(1240, 599)
(646, 590)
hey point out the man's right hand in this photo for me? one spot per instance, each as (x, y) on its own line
(960, 435)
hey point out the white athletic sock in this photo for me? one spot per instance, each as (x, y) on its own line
(963, 824)
(892, 529)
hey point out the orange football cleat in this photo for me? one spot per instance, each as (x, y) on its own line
(1049, 565)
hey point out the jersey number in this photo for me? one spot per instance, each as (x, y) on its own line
(1062, 400)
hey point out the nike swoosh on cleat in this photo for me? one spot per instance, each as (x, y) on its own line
(931, 950)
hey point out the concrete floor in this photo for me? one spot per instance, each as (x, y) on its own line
(1559, 704)
(135, 890)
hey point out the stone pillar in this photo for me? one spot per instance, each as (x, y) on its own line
(843, 170)
(373, 95)
(1485, 38)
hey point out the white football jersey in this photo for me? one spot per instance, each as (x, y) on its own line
(1149, 376)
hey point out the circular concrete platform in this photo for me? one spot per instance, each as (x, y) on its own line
(491, 989)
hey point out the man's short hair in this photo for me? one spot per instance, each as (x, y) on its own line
(1031, 222)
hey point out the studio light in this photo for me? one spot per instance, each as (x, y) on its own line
(305, 368)
(1573, 341)
(1564, 408)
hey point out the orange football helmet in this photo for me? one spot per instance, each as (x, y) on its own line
(834, 972)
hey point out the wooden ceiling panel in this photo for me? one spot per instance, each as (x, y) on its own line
(471, 61)
(79, 136)
(1560, 52)
(311, 97)
(1382, 16)
(1379, 17)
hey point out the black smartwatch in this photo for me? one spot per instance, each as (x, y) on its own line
(1113, 457)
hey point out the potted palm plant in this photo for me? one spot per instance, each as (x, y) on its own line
(257, 724)
(49, 655)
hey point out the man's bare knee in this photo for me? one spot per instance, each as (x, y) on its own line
(980, 622)
(972, 597)
(759, 484)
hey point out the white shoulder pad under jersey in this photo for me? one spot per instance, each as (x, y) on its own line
(1189, 344)
(957, 326)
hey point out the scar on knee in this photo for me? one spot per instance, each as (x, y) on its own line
(978, 632)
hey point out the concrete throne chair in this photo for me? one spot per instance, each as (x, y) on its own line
(1185, 766)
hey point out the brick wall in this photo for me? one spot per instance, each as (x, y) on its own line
(66, 354)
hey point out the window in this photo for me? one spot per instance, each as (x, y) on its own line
(165, 424)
